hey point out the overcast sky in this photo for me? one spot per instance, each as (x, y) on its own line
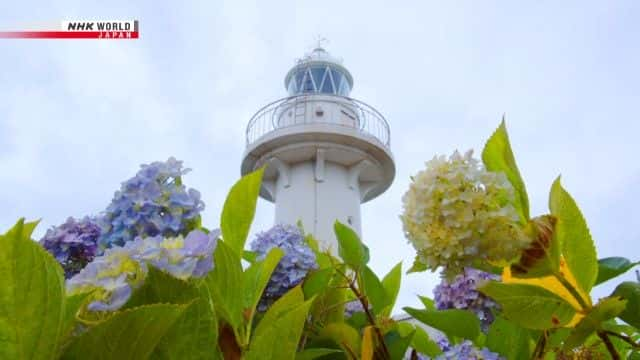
(78, 117)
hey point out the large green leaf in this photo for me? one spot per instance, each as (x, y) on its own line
(239, 209)
(314, 353)
(195, 334)
(374, 290)
(225, 284)
(397, 343)
(343, 335)
(530, 306)
(32, 302)
(574, 237)
(607, 308)
(281, 336)
(454, 322)
(630, 291)
(317, 281)
(423, 343)
(498, 156)
(288, 301)
(350, 248)
(610, 267)
(508, 339)
(391, 284)
(255, 279)
(542, 257)
(130, 334)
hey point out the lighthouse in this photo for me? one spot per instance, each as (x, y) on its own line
(324, 152)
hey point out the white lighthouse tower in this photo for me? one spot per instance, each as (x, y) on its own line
(326, 153)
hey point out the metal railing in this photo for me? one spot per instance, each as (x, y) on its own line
(293, 111)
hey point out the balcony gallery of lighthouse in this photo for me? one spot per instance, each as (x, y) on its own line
(325, 153)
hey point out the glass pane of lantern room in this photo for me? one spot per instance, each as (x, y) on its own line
(299, 77)
(327, 85)
(337, 76)
(307, 82)
(318, 73)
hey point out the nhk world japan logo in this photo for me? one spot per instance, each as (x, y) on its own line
(79, 29)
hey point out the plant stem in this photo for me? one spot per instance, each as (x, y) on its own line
(610, 347)
(573, 291)
(540, 345)
(365, 306)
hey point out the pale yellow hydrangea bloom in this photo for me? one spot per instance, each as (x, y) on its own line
(456, 211)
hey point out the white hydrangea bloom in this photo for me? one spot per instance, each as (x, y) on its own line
(456, 211)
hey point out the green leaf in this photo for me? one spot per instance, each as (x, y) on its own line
(453, 322)
(397, 343)
(498, 156)
(508, 339)
(630, 291)
(72, 306)
(373, 290)
(317, 281)
(314, 353)
(130, 334)
(520, 301)
(195, 334)
(423, 343)
(606, 309)
(255, 279)
(427, 302)
(391, 284)
(285, 331)
(350, 247)
(32, 303)
(225, 284)
(288, 301)
(575, 239)
(542, 257)
(239, 209)
(417, 266)
(610, 267)
(343, 335)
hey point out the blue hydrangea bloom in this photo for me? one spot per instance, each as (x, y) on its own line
(297, 261)
(152, 203)
(110, 277)
(462, 293)
(183, 257)
(465, 351)
(113, 276)
(74, 243)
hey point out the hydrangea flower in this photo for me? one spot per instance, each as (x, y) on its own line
(113, 276)
(297, 261)
(73, 244)
(456, 211)
(152, 203)
(183, 257)
(465, 350)
(462, 293)
(352, 307)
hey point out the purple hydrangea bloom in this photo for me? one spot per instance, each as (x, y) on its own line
(152, 203)
(73, 244)
(298, 259)
(465, 351)
(462, 293)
